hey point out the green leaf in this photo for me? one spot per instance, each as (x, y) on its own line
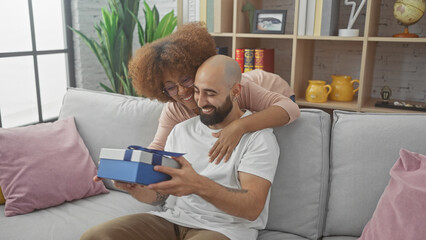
(130, 21)
(149, 23)
(140, 29)
(166, 26)
(156, 18)
(106, 88)
(128, 80)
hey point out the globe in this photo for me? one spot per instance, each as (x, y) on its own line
(408, 12)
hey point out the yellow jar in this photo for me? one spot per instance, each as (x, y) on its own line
(342, 88)
(317, 91)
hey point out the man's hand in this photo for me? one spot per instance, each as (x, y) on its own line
(229, 138)
(184, 181)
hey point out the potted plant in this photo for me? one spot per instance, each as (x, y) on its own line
(115, 36)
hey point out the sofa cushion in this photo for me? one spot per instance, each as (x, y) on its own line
(400, 213)
(364, 147)
(71, 219)
(45, 165)
(107, 120)
(298, 195)
(277, 235)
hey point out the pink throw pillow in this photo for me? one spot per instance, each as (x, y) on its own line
(401, 210)
(45, 165)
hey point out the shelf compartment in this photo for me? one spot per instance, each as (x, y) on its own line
(318, 60)
(242, 19)
(282, 52)
(400, 66)
(384, 24)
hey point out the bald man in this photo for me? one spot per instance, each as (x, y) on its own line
(228, 200)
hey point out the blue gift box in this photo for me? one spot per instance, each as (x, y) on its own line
(135, 164)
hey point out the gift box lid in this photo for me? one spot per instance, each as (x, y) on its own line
(152, 157)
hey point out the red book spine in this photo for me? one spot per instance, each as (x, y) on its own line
(239, 57)
(258, 58)
(268, 60)
(248, 59)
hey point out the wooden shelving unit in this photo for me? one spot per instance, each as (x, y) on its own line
(295, 55)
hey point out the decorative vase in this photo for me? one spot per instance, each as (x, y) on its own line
(342, 88)
(317, 91)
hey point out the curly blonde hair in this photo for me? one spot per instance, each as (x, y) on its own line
(181, 52)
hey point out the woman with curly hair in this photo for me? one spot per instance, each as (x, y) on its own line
(165, 70)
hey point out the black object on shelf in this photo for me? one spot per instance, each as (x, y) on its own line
(399, 105)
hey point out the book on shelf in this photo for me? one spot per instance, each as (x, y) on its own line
(264, 59)
(248, 59)
(210, 15)
(222, 50)
(239, 57)
(330, 18)
(310, 17)
(301, 28)
(318, 17)
(203, 11)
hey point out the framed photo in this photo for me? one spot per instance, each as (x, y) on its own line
(269, 21)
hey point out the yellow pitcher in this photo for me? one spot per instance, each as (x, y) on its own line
(342, 88)
(317, 91)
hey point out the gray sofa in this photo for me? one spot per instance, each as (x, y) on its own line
(330, 175)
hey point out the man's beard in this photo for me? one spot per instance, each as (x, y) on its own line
(219, 114)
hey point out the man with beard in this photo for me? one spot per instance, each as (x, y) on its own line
(228, 200)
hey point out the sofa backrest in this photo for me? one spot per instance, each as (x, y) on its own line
(299, 191)
(106, 120)
(364, 146)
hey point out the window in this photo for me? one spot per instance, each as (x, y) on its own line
(36, 60)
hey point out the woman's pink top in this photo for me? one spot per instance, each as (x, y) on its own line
(259, 90)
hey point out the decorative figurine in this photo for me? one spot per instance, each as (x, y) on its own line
(349, 32)
(386, 93)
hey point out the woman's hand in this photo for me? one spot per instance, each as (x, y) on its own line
(229, 138)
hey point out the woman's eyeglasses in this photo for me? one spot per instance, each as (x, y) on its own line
(171, 89)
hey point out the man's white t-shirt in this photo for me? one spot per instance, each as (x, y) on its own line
(257, 153)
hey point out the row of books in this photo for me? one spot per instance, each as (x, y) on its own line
(217, 14)
(255, 58)
(318, 17)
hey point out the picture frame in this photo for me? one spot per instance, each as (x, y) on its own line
(269, 21)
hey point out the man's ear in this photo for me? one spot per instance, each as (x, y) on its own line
(236, 90)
